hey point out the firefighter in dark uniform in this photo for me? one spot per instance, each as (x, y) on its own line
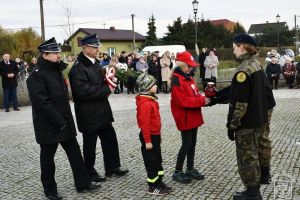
(248, 115)
(53, 121)
(93, 112)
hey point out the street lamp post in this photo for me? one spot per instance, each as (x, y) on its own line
(278, 19)
(195, 8)
(42, 20)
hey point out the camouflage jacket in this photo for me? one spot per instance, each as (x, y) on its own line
(248, 107)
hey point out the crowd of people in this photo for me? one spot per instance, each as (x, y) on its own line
(91, 78)
(153, 64)
(289, 70)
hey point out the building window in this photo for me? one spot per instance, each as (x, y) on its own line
(111, 51)
(78, 41)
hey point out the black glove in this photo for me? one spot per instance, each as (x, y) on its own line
(230, 134)
(213, 101)
(223, 95)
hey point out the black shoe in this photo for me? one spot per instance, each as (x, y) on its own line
(118, 171)
(249, 194)
(165, 187)
(265, 177)
(181, 177)
(7, 110)
(91, 187)
(98, 178)
(194, 174)
(157, 191)
(54, 197)
(16, 109)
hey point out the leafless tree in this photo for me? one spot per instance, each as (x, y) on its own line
(69, 28)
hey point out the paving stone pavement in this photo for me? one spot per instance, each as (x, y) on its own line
(215, 155)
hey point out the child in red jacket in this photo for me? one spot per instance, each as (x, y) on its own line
(149, 122)
(186, 103)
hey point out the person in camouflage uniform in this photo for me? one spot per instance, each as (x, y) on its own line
(264, 151)
(247, 122)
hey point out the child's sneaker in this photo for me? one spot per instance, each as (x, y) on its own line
(180, 177)
(165, 187)
(194, 174)
(157, 191)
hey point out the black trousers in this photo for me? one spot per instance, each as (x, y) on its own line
(72, 150)
(290, 80)
(275, 79)
(189, 140)
(165, 86)
(110, 149)
(202, 71)
(153, 160)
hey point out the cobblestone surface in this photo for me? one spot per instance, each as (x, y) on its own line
(215, 154)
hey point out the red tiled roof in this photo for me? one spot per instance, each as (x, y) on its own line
(229, 25)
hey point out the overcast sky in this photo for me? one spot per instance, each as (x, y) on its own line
(95, 13)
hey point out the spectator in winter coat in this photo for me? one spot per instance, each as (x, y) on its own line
(9, 72)
(288, 71)
(165, 63)
(142, 65)
(298, 75)
(273, 72)
(201, 60)
(211, 63)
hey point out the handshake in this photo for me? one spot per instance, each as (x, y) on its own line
(221, 97)
(111, 80)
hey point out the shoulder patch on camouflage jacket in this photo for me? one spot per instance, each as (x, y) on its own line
(249, 66)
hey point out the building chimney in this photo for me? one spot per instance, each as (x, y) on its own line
(112, 28)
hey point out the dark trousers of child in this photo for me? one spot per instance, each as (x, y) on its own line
(189, 139)
(153, 161)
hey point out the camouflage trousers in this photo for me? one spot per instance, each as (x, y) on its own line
(265, 148)
(253, 150)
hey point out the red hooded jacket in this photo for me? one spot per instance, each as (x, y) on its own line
(186, 102)
(148, 117)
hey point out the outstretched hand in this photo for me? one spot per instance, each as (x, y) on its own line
(207, 101)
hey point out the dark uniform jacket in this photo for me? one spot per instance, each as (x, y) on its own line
(8, 69)
(248, 106)
(90, 95)
(52, 118)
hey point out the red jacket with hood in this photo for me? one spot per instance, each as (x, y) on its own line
(148, 117)
(186, 102)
